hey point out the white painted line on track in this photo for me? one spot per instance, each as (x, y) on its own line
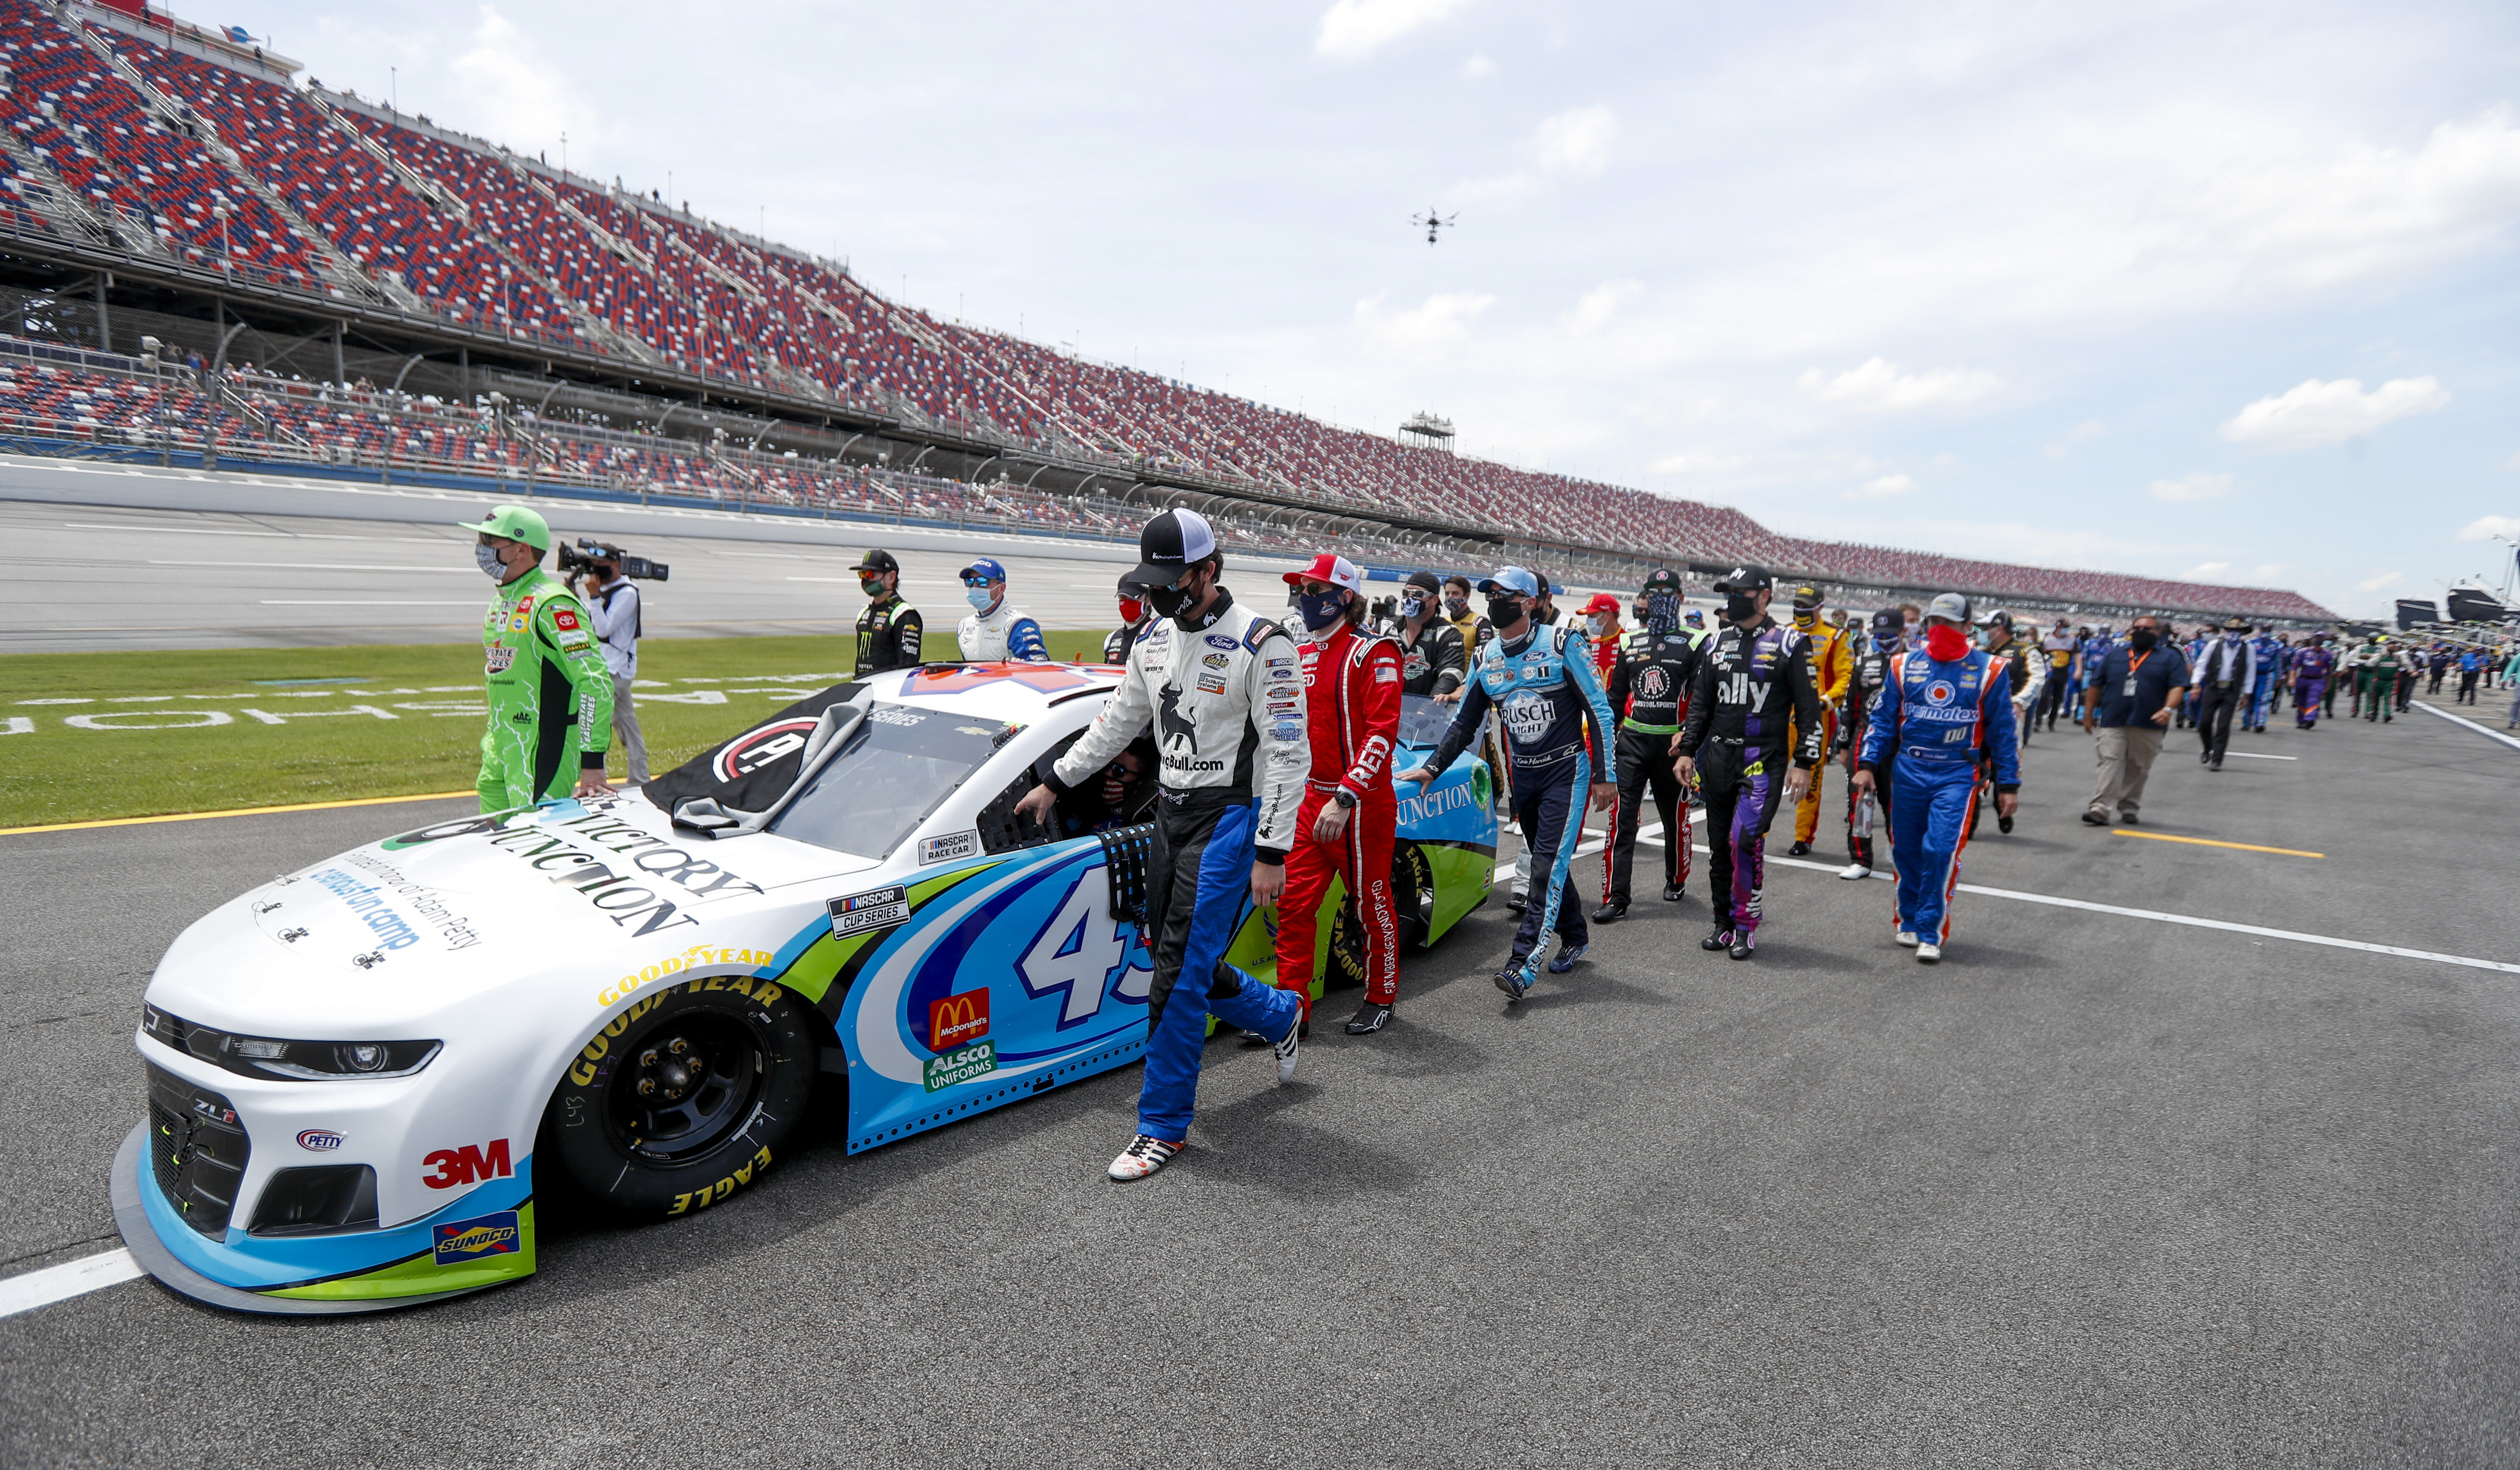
(2461, 719)
(2253, 755)
(72, 1278)
(363, 602)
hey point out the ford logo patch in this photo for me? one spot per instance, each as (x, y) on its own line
(319, 1140)
(1219, 640)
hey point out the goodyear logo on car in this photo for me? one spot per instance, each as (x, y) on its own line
(466, 1240)
(961, 1066)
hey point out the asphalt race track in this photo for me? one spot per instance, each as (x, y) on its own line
(2099, 1189)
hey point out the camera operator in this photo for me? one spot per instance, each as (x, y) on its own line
(613, 606)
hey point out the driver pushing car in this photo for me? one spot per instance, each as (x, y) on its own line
(1222, 684)
(1350, 816)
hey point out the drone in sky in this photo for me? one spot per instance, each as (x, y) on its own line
(1431, 222)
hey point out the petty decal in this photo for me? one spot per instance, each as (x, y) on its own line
(880, 908)
(948, 848)
(473, 1163)
(957, 1020)
(941, 1073)
(320, 1140)
(500, 1235)
(499, 658)
(754, 749)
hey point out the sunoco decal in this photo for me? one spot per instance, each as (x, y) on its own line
(500, 1235)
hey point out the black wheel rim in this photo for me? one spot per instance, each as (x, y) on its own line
(686, 1087)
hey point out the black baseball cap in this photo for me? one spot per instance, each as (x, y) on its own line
(1662, 580)
(1889, 621)
(1425, 579)
(878, 560)
(1745, 580)
(1167, 546)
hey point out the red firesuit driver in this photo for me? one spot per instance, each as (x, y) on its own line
(1344, 827)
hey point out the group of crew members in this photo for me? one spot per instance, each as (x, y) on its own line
(1925, 709)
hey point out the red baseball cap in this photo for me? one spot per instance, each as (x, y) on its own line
(1602, 602)
(1331, 568)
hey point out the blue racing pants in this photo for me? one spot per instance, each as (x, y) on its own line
(1929, 825)
(2262, 698)
(1548, 807)
(1201, 878)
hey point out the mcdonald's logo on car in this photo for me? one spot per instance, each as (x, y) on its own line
(958, 1021)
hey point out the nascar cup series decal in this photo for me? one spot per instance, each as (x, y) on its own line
(880, 908)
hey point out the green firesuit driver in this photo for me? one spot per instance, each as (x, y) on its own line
(550, 695)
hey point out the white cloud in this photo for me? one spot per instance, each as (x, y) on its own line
(1692, 463)
(1572, 144)
(2207, 571)
(2487, 528)
(2513, 463)
(2270, 571)
(2376, 583)
(2328, 413)
(2081, 434)
(1353, 29)
(2198, 485)
(1598, 305)
(1441, 320)
(518, 97)
(1879, 387)
(1883, 488)
(1478, 67)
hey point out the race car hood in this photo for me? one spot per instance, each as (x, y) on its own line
(437, 917)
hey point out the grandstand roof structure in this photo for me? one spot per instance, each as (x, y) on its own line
(467, 307)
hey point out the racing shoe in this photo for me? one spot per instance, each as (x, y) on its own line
(1565, 957)
(1798, 850)
(1371, 1016)
(1906, 939)
(1744, 945)
(1929, 954)
(1673, 892)
(1516, 903)
(1144, 1156)
(2004, 824)
(1853, 872)
(1610, 912)
(1287, 1046)
(1514, 980)
(1721, 938)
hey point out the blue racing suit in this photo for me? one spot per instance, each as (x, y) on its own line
(2262, 694)
(1545, 692)
(1937, 722)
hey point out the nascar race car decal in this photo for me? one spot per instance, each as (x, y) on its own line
(358, 1072)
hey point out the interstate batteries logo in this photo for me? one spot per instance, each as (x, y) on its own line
(466, 1240)
(961, 1066)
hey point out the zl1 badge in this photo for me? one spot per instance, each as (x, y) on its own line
(877, 908)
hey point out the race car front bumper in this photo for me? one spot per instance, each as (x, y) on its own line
(427, 1259)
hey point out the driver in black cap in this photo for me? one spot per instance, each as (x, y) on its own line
(889, 631)
(1866, 675)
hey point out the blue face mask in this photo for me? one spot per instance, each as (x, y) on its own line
(1320, 610)
(487, 558)
(1413, 607)
(980, 597)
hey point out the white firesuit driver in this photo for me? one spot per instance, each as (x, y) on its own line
(1223, 688)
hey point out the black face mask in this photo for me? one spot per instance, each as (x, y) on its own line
(1503, 610)
(1168, 602)
(2142, 637)
(1741, 607)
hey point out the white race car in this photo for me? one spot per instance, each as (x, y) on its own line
(355, 1070)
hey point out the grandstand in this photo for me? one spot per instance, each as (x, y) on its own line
(205, 259)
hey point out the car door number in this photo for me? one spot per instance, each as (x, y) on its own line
(1080, 951)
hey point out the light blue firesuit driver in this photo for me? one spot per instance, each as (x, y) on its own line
(1542, 685)
(1943, 707)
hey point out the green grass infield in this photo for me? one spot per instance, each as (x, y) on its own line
(86, 737)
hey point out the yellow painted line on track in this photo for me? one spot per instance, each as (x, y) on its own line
(203, 816)
(2207, 841)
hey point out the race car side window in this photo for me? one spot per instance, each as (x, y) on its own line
(1082, 811)
(898, 766)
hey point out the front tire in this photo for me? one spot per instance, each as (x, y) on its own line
(684, 1099)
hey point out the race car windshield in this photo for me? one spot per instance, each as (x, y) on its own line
(899, 764)
(1422, 721)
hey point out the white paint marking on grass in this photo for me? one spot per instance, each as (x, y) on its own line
(59, 1283)
(2461, 719)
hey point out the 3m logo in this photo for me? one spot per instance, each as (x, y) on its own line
(957, 1020)
(500, 1235)
(473, 1163)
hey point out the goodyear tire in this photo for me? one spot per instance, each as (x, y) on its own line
(1413, 895)
(686, 1096)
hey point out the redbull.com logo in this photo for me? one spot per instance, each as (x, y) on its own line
(498, 1234)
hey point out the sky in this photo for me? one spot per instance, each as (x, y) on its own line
(2182, 287)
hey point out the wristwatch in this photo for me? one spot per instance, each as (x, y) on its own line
(1345, 798)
